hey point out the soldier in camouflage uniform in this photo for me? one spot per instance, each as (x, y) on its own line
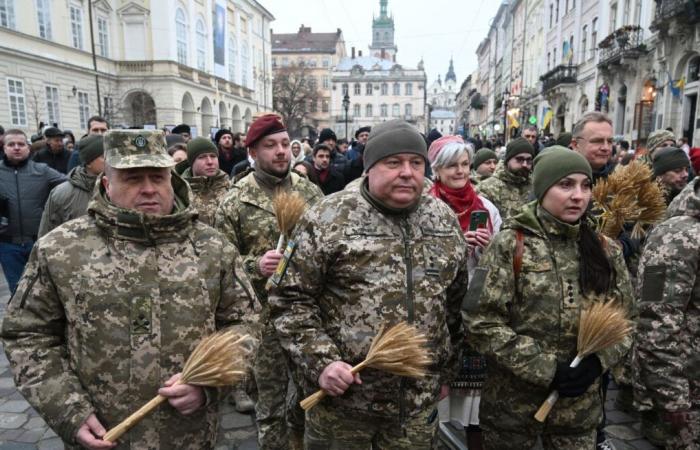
(246, 217)
(485, 163)
(111, 305)
(522, 313)
(667, 345)
(510, 186)
(209, 184)
(385, 254)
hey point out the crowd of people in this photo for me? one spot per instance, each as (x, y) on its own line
(123, 253)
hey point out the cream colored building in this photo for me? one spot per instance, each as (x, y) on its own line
(157, 62)
(319, 53)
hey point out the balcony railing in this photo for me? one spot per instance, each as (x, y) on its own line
(688, 10)
(626, 41)
(559, 75)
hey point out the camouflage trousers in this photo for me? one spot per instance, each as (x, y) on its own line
(280, 419)
(495, 439)
(662, 434)
(330, 429)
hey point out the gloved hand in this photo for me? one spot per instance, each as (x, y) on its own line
(574, 382)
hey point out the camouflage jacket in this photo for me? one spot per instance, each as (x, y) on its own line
(476, 178)
(525, 327)
(667, 345)
(68, 200)
(110, 306)
(507, 191)
(246, 217)
(355, 268)
(207, 193)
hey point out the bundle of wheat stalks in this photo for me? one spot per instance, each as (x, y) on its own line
(400, 350)
(629, 194)
(218, 360)
(289, 207)
(602, 325)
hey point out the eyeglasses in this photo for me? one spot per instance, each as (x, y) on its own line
(523, 160)
(597, 141)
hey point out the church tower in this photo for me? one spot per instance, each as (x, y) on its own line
(451, 73)
(383, 34)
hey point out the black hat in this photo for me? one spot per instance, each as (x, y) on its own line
(326, 134)
(669, 158)
(182, 128)
(434, 135)
(90, 148)
(517, 146)
(53, 132)
(219, 134)
(362, 130)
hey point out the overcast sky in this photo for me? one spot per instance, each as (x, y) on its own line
(433, 30)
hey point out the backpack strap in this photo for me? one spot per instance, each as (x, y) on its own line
(518, 255)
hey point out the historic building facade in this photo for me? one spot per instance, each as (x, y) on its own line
(155, 63)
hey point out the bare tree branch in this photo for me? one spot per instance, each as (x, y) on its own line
(293, 90)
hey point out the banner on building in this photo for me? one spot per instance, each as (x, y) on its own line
(219, 36)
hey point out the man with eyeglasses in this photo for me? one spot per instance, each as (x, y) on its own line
(593, 138)
(510, 186)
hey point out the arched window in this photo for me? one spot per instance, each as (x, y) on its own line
(397, 89)
(356, 110)
(368, 89)
(357, 89)
(409, 88)
(693, 70)
(232, 58)
(181, 36)
(409, 110)
(345, 89)
(395, 110)
(385, 89)
(368, 110)
(201, 46)
(384, 110)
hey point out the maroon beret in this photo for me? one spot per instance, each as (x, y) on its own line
(263, 126)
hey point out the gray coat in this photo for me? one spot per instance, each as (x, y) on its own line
(34, 181)
(69, 200)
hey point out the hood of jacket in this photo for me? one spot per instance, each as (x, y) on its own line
(131, 225)
(508, 177)
(81, 179)
(687, 203)
(535, 219)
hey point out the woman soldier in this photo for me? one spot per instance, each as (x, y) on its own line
(522, 312)
(450, 160)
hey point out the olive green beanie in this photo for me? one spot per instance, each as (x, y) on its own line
(517, 146)
(669, 158)
(90, 148)
(553, 165)
(391, 138)
(199, 146)
(483, 155)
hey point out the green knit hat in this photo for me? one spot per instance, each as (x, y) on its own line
(483, 155)
(391, 138)
(669, 158)
(518, 146)
(199, 146)
(553, 165)
(90, 148)
(564, 139)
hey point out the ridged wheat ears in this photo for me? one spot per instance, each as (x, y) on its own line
(602, 325)
(401, 350)
(218, 360)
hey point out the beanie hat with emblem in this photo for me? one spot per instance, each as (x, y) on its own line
(554, 164)
(392, 138)
(200, 146)
(517, 146)
(669, 158)
(482, 155)
(90, 148)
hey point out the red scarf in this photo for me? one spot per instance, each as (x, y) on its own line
(463, 202)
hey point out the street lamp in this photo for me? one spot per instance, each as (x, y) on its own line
(506, 96)
(346, 106)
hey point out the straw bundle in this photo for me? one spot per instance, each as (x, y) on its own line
(629, 194)
(289, 207)
(400, 350)
(602, 325)
(218, 360)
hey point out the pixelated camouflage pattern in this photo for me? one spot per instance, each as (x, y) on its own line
(129, 149)
(499, 439)
(329, 428)
(207, 193)
(68, 200)
(509, 192)
(355, 268)
(110, 306)
(246, 217)
(477, 178)
(667, 345)
(524, 329)
(355, 184)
